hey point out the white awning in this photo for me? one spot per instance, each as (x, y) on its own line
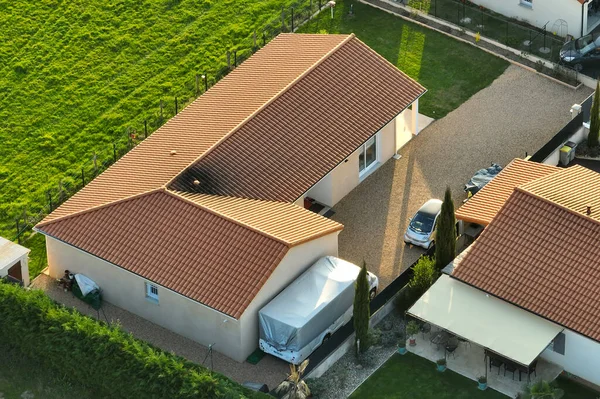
(10, 253)
(485, 320)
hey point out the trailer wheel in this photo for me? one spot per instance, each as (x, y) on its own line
(372, 294)
(325, 338)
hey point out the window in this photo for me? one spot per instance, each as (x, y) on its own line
(368, 154)
(151, 292)
(526, 3)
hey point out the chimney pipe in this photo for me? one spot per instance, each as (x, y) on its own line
(589, 210)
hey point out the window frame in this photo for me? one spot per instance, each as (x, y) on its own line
(150, 294)
(526, 3)
(362, 150)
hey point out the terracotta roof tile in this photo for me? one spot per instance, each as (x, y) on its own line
(542, 256)
(484, 205)
(192, 246)
(283, 221)
(206, 121)
(311, 128)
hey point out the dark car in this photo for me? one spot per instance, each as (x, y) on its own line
(582, 52)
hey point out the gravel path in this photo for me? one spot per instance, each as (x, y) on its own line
(269, 370)
(518, 113)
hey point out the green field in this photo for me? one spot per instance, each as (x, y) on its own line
(76, 75)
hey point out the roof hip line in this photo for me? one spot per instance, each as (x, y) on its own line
(262, 107)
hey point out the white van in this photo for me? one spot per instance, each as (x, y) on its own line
(310, 309)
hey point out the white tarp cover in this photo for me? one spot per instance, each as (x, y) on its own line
(309, 305)
(485, 320)
(10, 253)
(86, 284)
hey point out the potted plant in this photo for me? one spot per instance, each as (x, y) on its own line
(441, 365)
(412, 329)
(402, 345)
(482, 383)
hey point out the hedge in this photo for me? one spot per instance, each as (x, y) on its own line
(101, 357)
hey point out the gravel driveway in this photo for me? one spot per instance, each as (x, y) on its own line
(518, 113)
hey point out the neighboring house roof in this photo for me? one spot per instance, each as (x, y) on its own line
(290, 112)
(484, 205)
(10, 252)
(541, 251)
(217, 251)
(307, 131)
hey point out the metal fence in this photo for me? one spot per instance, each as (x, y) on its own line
(558, 139)
(544, 43)
(72, 181)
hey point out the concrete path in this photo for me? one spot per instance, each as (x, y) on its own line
(515, 115)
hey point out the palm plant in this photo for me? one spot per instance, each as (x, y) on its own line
(294, 386)
(542, 390)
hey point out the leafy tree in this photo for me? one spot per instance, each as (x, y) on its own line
(594, 136)
(542, 390)
(361, 311)
(424, 275)
(294, 387)
(445, 236)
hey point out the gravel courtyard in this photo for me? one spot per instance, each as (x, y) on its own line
(518, 113)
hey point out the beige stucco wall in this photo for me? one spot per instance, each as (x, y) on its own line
(296, 261)
(345, 177)
(128, 291)
(235, 338)
(542, 11)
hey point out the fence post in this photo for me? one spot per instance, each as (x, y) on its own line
(197, 85)
(282, 19)
(235, 59)
(254, 41)
(292, 19)
(205, 82)
(435, 8)
(114, 152)
(264, 39)
(319, 5)
(228, 59)
(176, 107)
(146, 128)
(161, 111)
(82, 178)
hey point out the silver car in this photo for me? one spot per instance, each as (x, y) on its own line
(421, 229)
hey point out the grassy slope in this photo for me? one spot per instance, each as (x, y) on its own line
(410, 376)
(451, 71)
(74, 75)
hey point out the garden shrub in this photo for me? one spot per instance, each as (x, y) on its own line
(100, 357)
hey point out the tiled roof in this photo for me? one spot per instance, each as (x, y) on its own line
(282, 221)
(206, 121)
(191, 245)
(311, 128)
(542, 253)
(484, 205)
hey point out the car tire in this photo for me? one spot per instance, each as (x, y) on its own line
(578, 67)
(325, 338)
(431, 244)
(372, 294)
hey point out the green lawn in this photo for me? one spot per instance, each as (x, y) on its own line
(76, 75)
(451, 71)
(411, 376)
(573, 390)
(19, 375)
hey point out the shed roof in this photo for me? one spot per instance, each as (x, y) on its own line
(10, 253)
(541, 251)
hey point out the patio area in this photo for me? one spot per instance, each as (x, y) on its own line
(469, 360)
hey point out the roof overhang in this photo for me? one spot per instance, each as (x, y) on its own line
(485, 320)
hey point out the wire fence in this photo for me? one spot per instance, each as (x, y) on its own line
(74, 180)
(544, 43)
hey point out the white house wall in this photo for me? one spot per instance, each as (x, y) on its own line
(542, 11)
(345, 177)
(581, 358)
(296, 261)
(127, 290)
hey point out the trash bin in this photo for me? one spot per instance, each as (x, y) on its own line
(567, 153)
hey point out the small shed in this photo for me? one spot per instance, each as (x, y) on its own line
(14, 262)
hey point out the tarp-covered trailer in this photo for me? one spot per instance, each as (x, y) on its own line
(310, 309)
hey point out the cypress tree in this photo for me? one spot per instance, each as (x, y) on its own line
(445, 236)
(361, 311)
(594, 136)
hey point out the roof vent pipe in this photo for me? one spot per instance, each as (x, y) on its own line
(589, 210)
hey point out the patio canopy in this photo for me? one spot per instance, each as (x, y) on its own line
(485, 320)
